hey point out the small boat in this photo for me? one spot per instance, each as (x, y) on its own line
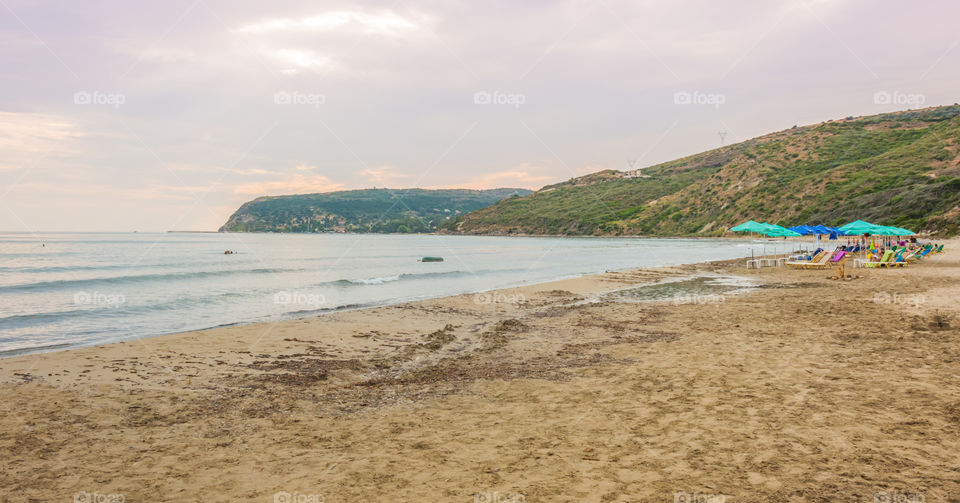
(431, 259)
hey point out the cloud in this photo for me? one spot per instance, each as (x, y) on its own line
(399, 81)
(526, 175)
(301, 58)
(386, 23)
(385, 175)
(30, 133)
(256, 171)
(150, 192)
(296, 184)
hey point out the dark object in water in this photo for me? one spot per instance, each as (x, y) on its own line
(431, 259)
(228, 252)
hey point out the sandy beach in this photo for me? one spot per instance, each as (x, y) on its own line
(801, 389)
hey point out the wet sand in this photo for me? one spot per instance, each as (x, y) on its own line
(800, 389)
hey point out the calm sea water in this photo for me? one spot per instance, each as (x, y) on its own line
(66, 290)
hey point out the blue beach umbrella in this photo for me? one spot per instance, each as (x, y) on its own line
(823, 229)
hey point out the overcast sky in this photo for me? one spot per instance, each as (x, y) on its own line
(134, 115)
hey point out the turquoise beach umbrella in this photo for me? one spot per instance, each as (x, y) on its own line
(884, 230)
(749, 226)
(778, 231)
(858, 227)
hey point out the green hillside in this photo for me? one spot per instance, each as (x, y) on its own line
(894, 169)
(369, 210)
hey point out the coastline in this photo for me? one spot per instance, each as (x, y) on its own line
(588, 278)
(551, 391)
(21, 351)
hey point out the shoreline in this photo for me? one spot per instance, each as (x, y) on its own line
(551, 391)
(58, 347)
(25, 351)
(289, 317)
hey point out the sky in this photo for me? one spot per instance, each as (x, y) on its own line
(153, 116)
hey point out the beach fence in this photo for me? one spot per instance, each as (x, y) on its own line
(767, 254)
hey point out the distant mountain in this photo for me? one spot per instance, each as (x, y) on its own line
(892, 169)
(369, 210)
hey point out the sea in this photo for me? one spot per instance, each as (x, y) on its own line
(67, 290)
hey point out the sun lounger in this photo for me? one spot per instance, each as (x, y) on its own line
(882, 262)
(920, 254)
(815, 264)
(886, 261)
(898, 259)
(806, 256)
(800, 263)
(835, 260)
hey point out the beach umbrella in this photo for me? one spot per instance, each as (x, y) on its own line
(858, 227)
(823, 229)
(883, 230)
(904, 232)
(748, 226)
(889, 230)
(778, 231)
(803, 230)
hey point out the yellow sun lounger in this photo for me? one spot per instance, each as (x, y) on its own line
(824, 261)
(885, 261)
(832, 259)
(818, 258)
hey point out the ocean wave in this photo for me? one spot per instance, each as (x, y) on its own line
(374, 281)
(26, 320)
(321, 310)
(379, 280)
(135, 278)
(122, 309)
(24, 349)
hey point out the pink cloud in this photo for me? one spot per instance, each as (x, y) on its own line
(296, 184)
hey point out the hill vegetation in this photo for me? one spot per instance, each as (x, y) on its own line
(368, 210)
(893, 169)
